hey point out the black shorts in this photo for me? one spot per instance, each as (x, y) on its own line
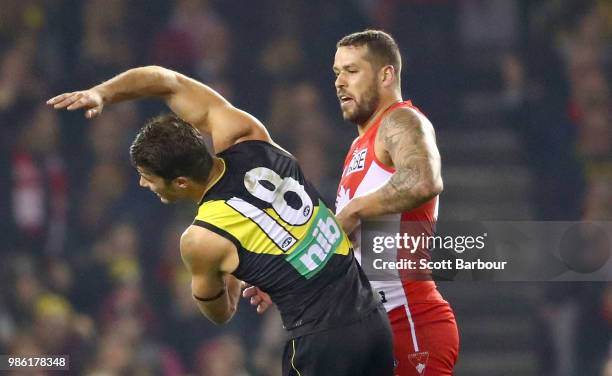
(363, 348)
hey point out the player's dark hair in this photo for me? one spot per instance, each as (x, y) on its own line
(382, 48)
(169, 147)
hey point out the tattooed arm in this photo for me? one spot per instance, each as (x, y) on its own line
(410, 143)
(407, 142)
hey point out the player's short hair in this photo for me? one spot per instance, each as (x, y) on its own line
(382, 48)
(169, 147)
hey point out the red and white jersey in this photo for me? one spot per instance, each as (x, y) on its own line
(364, 173)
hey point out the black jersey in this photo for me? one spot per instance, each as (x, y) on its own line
(289, 243)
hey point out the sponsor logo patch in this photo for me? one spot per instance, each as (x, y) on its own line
(357, 162)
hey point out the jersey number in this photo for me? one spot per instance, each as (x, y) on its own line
(286, 196)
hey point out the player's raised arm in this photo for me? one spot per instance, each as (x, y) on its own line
(191, 100)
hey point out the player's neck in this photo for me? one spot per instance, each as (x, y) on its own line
(385, 103)
(217, 170)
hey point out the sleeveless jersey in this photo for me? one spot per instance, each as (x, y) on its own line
(289, 243)
(364, 173)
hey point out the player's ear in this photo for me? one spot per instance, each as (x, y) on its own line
(387, 76)
(180, 182)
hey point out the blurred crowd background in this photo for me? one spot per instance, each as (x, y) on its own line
(519, 93)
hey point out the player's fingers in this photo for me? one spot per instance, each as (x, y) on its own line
(249, 291)
(62, 101)
(58, 98)
(266, 298)
(83, 101)
(67, 100)
(255, 300)
(93, 112)
(262, 307)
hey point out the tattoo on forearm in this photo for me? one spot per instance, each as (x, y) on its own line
(397, 194)
(404, 179)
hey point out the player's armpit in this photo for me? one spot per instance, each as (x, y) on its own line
(230, 125)
(212, 114)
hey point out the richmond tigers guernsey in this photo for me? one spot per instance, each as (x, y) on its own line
(289, 243)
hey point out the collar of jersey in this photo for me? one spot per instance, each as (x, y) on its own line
(215, 182)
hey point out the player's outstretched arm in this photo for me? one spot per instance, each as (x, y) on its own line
(410, 142)
(210, 258)
(191, 100)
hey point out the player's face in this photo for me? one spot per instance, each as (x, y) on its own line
(158, 185)
(356, 84)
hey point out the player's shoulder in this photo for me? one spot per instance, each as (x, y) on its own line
(403, 118)
(258, 147)
(403, 114)
(200, 244)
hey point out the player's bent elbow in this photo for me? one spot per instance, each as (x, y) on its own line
(431, 189)
(222, 318)
(231, 310)
(218, 319)
(438, 186)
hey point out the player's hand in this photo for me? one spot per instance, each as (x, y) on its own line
(257, 298)
(89, 100)
(349, 217)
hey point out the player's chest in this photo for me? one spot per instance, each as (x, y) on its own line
(360, 158)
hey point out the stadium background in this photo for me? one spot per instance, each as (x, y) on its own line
(519, 93)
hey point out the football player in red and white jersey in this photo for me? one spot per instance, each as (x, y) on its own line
(392, 171)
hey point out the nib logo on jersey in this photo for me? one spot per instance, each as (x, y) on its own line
(313, 252)
(357, 162)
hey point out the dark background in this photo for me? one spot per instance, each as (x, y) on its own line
(518, 91)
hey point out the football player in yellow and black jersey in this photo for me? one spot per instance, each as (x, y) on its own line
(259, 221)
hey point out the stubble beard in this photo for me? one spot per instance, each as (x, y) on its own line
(364, 110)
